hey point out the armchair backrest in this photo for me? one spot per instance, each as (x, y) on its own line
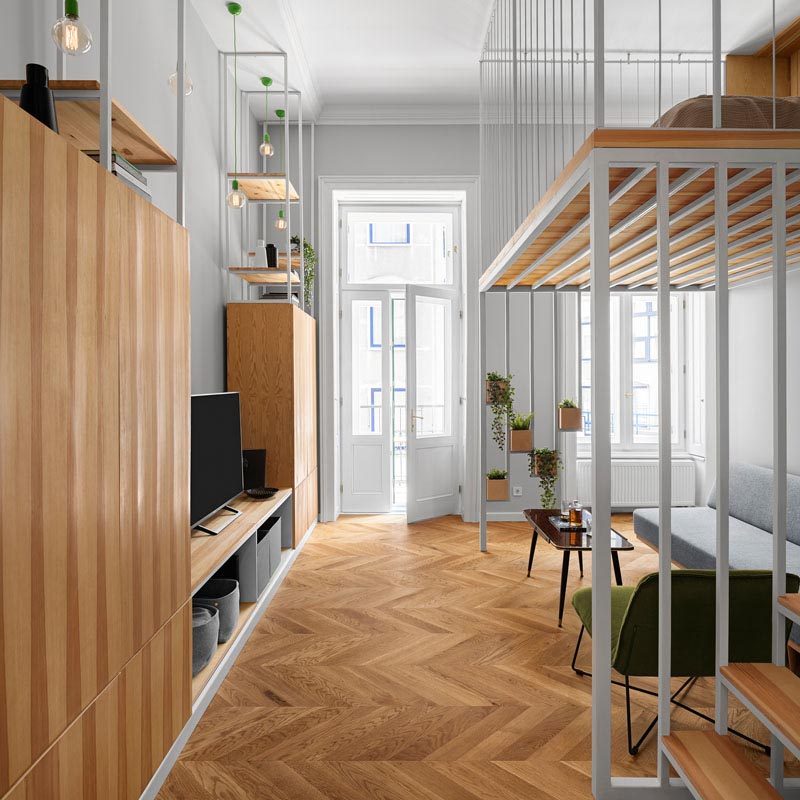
(694, 622)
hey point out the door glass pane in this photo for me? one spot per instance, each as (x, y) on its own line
(434, 367)
(399, 434)
(399, 248)
(367, 368)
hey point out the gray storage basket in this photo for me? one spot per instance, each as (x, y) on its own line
(205, 631)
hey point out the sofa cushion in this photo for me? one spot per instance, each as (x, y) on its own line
(751, 498)
(694, 540)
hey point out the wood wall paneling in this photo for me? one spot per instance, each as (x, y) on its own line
(94, 406)
(752, 76)
(305, 394)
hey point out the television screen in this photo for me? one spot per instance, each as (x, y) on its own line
(216, 453)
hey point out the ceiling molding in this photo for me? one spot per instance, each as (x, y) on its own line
(297, 58)
(356, 114)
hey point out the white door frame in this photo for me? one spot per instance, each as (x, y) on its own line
(333, 192)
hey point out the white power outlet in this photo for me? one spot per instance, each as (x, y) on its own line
(517, 491)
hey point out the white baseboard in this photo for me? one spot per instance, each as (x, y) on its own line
(504, 516)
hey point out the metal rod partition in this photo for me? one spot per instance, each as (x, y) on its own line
(483, 533)
(105, 83)
(180, 177)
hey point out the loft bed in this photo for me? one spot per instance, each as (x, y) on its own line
(550, 249)
(707, 199)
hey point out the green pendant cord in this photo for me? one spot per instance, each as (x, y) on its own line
(266, 113)
(235, 100)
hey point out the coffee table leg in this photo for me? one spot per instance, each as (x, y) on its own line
(617, 570)
(564, 573)
(534, 538)
(580, 561)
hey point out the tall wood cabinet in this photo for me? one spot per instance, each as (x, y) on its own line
(95, 647)
(272, 363)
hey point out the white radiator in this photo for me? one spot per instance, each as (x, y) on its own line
(634, 483)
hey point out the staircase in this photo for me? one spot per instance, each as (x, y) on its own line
(713, 767)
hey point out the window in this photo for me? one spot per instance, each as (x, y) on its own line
(634, 371)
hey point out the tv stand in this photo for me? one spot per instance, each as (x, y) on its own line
(234, 512)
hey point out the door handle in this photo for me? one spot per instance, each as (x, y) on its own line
(415, 417)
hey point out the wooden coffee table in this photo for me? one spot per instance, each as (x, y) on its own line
(568, 541)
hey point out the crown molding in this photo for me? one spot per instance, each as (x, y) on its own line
(420, 114)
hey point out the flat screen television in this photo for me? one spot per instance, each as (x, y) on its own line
(216, 453)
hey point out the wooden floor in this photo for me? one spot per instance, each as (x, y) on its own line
(397, 662)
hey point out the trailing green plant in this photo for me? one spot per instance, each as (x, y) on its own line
(497, 474)
(545, 464)
(567, 403)
(521, 422)
(309, 268)
(501, 400)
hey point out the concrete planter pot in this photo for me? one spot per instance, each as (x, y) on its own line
(205, 631)
(223, 595)
(522, 441)
(497, 489)
(569, 419)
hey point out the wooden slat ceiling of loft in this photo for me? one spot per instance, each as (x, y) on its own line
(639, 256)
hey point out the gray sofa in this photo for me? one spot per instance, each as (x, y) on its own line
(694, 529)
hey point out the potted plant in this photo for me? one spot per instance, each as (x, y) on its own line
(545, 465)
(569, 416)
(309, 268)
(500, 395)
(521, 433)
(497, 484)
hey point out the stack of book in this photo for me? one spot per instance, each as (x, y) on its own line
(126, 172)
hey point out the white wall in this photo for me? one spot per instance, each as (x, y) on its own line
(143, 56)
(751, 373)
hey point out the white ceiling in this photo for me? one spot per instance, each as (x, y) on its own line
(417, 60)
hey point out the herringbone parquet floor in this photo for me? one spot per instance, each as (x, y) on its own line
(397, 662)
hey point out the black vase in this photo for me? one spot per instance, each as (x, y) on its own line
(272, 256)
(36, 96)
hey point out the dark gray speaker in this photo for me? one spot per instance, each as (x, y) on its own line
(255, 468)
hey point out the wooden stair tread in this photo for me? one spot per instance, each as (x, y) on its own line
(774, 691)
(715, 768)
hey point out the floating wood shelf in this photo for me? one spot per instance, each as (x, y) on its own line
(79, 123)
(262, 276)
(209, 553)
(264, 185)
(714, 768)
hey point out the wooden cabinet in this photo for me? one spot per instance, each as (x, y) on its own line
(272, 363)
(94, 440)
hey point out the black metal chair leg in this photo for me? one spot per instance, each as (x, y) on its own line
(564, 574)
(575, 654)
(534, 539)
(580, 561)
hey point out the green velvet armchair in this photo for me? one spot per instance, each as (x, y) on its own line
(634, 630)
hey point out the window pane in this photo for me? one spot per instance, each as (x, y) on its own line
(399, 248)
(367, 368)
(399, 437)
(434, 379)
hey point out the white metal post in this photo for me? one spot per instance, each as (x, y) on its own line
(779, 444)
(286, 161)
(716, 49)
(180, 177)
(664, 470)
(601, 472)
(599, 65)
(557, 438)
(105, 84)
(302, 194)
(483, 536)
(723, 436)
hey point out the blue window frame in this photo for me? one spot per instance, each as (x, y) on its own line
(390, 233)
(374, 401)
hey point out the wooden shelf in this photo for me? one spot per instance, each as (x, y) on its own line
(79, 123)
(714, 768)
(260, 275)
(209, 553)
(264, 185)
(773, 695)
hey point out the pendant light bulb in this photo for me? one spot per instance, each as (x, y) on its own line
(69, 32)
(236, 198)
(266, 149)
(188, 86)
(280, 223)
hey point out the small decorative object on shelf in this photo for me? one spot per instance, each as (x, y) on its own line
(545, 465)
(500, 395)
(521, 433)
(496, 485)
(69, 32)
(569, 416)
(36, 97)
(309, 268)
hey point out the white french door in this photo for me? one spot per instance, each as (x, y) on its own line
(432, 402)
(366, 402)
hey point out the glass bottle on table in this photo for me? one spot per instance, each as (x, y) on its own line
(575, 514)
(565, 504)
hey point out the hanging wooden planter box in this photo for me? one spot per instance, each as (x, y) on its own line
(569, 419)
(522, 441)
(495, 389)
(497, 489)
(545, 467)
